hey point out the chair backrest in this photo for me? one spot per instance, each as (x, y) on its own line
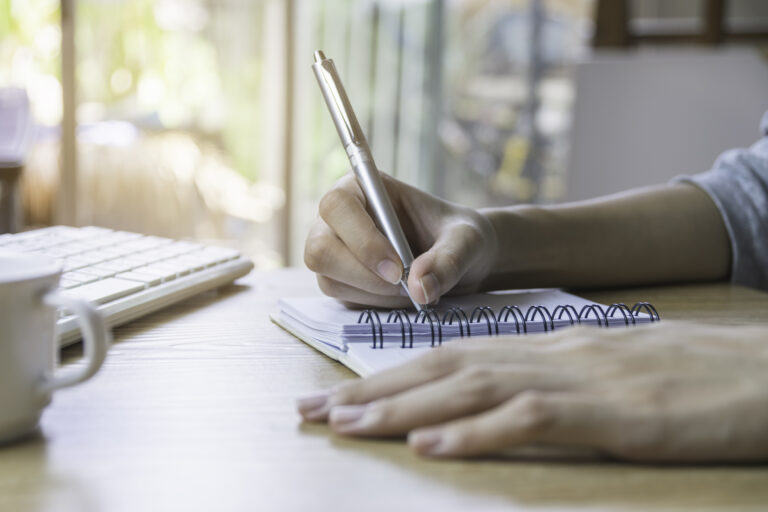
(643, 118)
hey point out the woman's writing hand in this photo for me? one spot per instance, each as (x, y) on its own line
(454, 247)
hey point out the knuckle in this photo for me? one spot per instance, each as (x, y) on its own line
(477, 384)
(328, 286)
(462, 437)
(533, 410)
(329, 202)
(650, 432)
(367, 245)
(316, 253)
(346, 393)
(332, 201)
(383, 412)
(441, 361)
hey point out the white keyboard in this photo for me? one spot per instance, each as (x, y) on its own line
(127, 274)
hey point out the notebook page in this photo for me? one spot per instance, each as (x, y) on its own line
(364, 360)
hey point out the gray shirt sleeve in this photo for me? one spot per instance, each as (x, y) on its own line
(738, 184)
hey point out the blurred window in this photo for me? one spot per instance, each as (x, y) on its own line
(182, 106)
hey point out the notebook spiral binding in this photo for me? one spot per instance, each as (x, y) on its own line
(486, 322)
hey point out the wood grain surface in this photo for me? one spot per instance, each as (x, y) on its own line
(194, 410)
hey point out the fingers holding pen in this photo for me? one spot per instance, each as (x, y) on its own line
(334, 262)
(356, 298)
(440, 268)
(343, 210)
(460, 242)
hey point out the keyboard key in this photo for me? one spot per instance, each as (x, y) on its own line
(191, 262)
(220, 253)
(164, 273)
(94, 256)
(80, 277)
(121, 264)
(172, 250)
(149, 280)
(98, 271)
(114, 239)
(36, 244)
(125, 235)
(68, 249)
(106, 290)
(121, 250)
(56, 252)
(170, 266)
(205, 257)
(183, 247)
(148, 242)
(96, 243)
(92, 231)
(73, 263)
(145, 258)
(68, 283)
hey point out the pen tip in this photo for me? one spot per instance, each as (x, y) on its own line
(319, 56)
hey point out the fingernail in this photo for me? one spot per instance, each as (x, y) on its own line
(315, 407)
(389, 271)
(311, 402)
(425, 442)
(430, 287)
(351, 418)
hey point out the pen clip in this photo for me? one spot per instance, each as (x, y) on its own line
(337, 94)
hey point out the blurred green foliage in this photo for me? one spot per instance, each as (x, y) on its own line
(159, 64)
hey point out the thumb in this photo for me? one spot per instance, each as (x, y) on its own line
(437, 271)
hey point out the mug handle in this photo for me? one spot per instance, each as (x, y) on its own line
(96, 341)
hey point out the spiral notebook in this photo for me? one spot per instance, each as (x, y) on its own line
(368, 341)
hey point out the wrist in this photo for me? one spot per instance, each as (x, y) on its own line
(485, 266)
(526, 252)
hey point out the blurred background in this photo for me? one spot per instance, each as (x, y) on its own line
(202, 119)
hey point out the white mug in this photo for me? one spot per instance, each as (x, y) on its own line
(28, 345)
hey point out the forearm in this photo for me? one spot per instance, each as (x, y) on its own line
(652, 235)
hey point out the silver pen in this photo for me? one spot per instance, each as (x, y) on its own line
(360, 158)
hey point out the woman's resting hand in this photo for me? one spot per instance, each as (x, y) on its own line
(665, 392)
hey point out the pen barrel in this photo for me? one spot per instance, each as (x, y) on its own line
(353, 140)
(338, 103)
(375, 192)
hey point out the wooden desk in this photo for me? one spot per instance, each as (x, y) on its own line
(194, 410)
